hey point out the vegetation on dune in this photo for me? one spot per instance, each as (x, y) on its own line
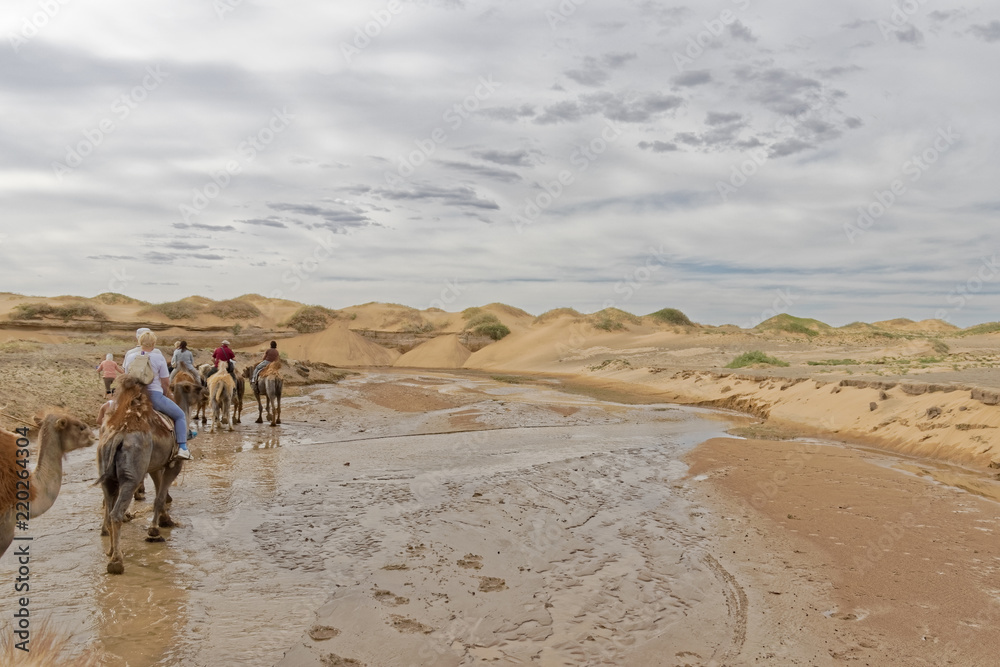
(985, 328)
(310, 319)
(482, 323)
(834, 362)
(671, 316)
(508, 310)
(940, 347)
(755, 357)
(38, 311)
(116, 299)
(175, 310)
(612, 319)
(557, 312)
(234, 309)
(792, 324)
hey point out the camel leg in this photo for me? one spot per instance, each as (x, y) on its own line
(161, 519)
(140, 493)
(260, 408)
(116, 517)
(6, 530)
(110, 488)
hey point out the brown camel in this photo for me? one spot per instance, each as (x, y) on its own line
(135, 442)
(58, 434)
(268, 383)
(221, 388)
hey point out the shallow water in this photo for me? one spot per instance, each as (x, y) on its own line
(277, 522)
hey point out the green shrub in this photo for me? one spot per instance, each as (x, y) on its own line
(754, 357)
(797, 327)
(495, 330)
(608, 324)
(116, 299)
(234, 309)
(174, 310)
(834, 362)
(478, 318)
(38, 311)
(310, 319)
(940, 347)
(672, 316)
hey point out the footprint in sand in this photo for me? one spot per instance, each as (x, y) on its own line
(491, 584)
(408, 625)
(322, 632)
(389, 597)
(471, 561)
(334, 660)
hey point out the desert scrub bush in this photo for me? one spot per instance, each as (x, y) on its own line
(38, 311)
(612, 319)
(116, 299)
(755, 357)
(234, 309)
(495, 330)
(310, 319)
(671, 316)
(834, 362)
(174, 310)
(797, 327)
(422, 327)
(940, 347)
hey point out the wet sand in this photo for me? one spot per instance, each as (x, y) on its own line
(433, 519)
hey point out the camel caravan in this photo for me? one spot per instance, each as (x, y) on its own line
(143, 430)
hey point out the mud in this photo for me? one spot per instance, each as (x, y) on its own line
(556, 532)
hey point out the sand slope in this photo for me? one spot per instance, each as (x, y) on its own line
(440, 352)
(338, 346)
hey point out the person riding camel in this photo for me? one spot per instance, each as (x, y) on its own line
(159, 389)
(271, 354)
(224, 354)
(183, 359)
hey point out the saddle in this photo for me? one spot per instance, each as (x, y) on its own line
(165, 421)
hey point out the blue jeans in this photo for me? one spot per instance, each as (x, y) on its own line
(172, 410)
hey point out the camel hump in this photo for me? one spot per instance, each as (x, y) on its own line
(273, 369)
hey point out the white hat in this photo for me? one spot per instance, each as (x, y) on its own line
(140, 331)
(225, 342)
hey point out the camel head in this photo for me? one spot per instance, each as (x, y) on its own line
(69, 432)
(187, 394)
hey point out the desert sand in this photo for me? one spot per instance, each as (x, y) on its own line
(589, 522)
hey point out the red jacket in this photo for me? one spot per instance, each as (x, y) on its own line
(223, 354)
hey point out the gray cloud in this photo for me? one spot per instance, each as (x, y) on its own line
(508, 114)
(740, 32)
(518, 158)
(789, 147)
(720, 118)
(503, 175)
(989, 32)
(658, 146)
(692, 78)
(911, 35)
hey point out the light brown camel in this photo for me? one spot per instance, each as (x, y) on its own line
(221, 388)
(58, 433)
(268, 383)
(135, 442)
(180, 379)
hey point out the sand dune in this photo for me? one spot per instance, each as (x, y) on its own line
(440, 352)
(338, 346)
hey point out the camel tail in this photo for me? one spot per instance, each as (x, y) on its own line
(106, 456)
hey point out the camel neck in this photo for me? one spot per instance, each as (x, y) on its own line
(47, 477)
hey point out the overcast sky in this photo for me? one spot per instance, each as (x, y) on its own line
(835, 160)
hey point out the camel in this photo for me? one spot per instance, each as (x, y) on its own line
(58, 434)
(238, 400)
(268, 383)
(135, 442)
(220, 390)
